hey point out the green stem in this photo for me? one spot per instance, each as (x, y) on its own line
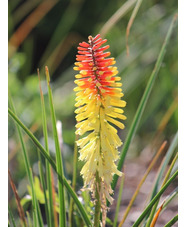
(98, 202)
(119, 200)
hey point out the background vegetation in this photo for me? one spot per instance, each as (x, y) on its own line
(47, 33)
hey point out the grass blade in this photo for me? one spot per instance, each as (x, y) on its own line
(11, 155)
(71, 208)
(164, 164)
(172, 221)
(173, 107)
(170, 198)
(141, 182)
(164, 205)
(160, 173)
(52, 163)
(33, 138)
(62, 212)
(153, 201)
(165, 119)
(131, 20)
(143, 101)
(36, 210)
(116, 17)
(119, 200)
(48, 169)
(165, 180)
(29, 219)
(170, 169)
(156, 216)
(25, 156)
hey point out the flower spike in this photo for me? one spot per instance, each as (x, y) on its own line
(99, 106)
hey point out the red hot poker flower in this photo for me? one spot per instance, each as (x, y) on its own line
(98, 108)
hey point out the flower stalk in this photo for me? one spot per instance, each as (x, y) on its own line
(97, 201)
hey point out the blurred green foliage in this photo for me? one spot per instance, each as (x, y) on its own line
(53, 41)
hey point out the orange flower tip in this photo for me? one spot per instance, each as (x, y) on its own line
(97, 36)
(84, 44)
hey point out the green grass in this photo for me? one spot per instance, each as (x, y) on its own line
(156, 197)
(52, 163)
